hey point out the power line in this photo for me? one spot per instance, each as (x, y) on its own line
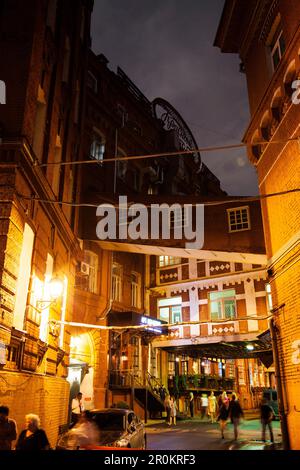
(207, 203)
(165, 154)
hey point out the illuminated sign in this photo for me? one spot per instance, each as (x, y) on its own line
(151, 322)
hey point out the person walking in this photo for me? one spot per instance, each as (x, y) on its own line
(235, 413)
(8, 429)
(223, 412)
(33, 437)
(191, 404)
(168, 409)
(77, 408)
(266, 417)
(204, 405)
(212, 407)
(173, 407)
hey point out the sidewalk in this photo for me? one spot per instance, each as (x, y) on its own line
(254, 445)
(249, 415)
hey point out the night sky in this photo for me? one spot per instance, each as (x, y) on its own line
(166, 48)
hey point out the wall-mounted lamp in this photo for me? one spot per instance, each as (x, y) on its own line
(55, 288)
(250, 347)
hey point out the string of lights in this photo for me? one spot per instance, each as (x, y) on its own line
(206, 203)
(166, 154)
(156, 326)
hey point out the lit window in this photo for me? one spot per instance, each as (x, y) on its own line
(91, 259)
(97, 150)
(23, 278)
(269, 297)
(222, 305)
(170, 310)
(238, 219)
(277, 48)
(184, 365)
(86, 277)
(168, 261)
(45, 312)
(136, 290)
(171, 364)
(117, 282)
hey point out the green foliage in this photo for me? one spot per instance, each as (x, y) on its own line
(123, 405)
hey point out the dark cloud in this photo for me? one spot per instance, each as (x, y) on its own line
(166, 48)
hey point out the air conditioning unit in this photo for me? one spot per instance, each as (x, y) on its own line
(84, 268)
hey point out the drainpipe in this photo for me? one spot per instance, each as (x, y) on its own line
(280, 389)
(103, 317)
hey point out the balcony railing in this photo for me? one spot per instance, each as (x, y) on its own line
(200, 382)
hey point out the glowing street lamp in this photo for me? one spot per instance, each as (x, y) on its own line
(56, 288)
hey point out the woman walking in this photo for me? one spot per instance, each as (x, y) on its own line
(212, 407)
(173, 410)
(33, 437)
(223, 413)
(235, 414)
(168, 409)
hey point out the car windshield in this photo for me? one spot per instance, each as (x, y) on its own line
(110, 421)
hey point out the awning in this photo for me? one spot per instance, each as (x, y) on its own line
(153, 325)
(260, 347)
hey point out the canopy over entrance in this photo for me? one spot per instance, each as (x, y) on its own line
(259, 347)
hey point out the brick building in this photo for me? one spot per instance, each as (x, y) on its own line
(228, 299)
(121, 121)
(266, 36)
(70, 106)
(44, 70)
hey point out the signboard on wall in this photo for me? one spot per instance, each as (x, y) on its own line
(2, 353)
(241, 372)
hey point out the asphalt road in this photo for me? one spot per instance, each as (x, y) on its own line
(197, 435)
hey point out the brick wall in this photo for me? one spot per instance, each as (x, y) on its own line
(48, 397)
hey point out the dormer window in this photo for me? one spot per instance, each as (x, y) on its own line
(277, 48)
(273, 36)
(97, 150)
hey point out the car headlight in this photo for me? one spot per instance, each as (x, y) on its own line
(121, 443)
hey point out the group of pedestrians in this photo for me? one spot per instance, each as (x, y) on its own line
(232, 410)
(34, 438)
(30, 438)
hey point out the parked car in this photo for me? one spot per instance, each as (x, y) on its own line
(117, 427)
(270, 395)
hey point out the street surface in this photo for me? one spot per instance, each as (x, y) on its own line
(193, 434)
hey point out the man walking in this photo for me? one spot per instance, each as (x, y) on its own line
(8, 429)
(266, 417)
(77, 408)
(235, 414)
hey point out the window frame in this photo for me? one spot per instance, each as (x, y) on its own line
(97, 142)
(222, 302)
(275, 45)
(170, 307)
(117, 283)
(136, 287)
(177, 261)
(235, 210)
